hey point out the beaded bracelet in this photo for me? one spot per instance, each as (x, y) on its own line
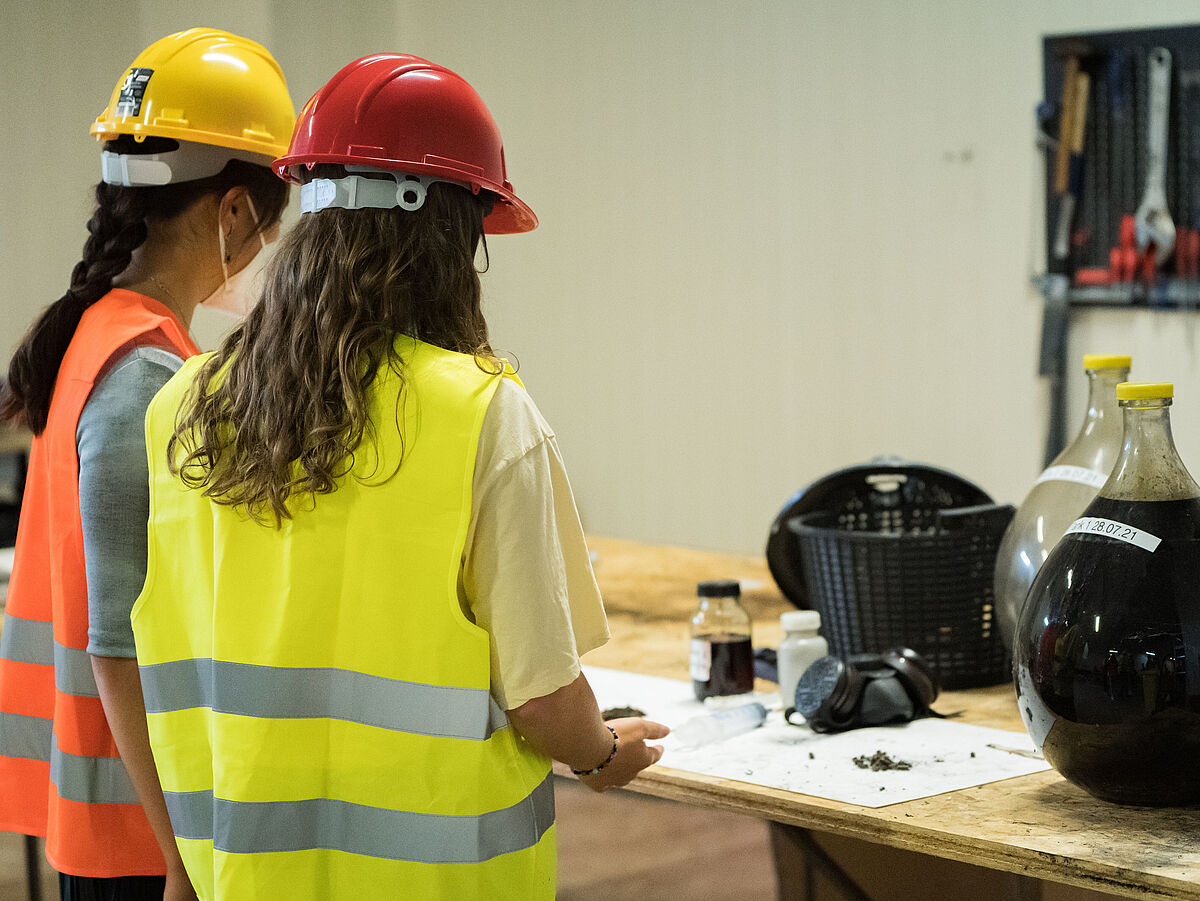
(594, 770)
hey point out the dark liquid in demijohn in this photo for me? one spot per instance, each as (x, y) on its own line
(1108, 656)
(732, 668)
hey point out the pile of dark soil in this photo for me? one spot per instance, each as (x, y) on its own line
(880, 761)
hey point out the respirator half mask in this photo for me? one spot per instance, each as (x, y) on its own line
(836, 694)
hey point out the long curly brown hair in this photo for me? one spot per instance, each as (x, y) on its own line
(282, 406)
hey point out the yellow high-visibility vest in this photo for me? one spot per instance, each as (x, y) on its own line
(318, 704)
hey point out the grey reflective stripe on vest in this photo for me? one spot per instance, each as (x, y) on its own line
(264, 827)
(32, 641)
(310, 693)
(25, 736)
(27, 641)
(73, 672)
(191, 814)
(90, 780)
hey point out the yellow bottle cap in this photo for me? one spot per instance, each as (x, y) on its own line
(1107, 361)
(1145, 390)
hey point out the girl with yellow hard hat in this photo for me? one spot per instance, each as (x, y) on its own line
(187, 201)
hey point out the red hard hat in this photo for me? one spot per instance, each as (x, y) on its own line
(400, 112)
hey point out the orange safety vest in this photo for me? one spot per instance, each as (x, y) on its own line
(60, 773)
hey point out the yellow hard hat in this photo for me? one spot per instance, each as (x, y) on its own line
(205, 86)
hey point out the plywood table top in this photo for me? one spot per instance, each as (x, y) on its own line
(1037, 825)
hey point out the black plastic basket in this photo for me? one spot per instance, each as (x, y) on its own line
(900, 554)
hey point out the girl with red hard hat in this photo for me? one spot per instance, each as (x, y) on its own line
(186, 201)
(368, 587)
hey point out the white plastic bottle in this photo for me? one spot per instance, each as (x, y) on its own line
(801, 646)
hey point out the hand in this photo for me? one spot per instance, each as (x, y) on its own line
(179, 887)
(633, 754)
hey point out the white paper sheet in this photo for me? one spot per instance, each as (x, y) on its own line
(945, 755)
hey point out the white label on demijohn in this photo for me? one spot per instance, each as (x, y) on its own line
(1094, 525)
(1080, 474)
(701, 660)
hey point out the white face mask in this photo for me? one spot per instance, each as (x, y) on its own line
(241, 290)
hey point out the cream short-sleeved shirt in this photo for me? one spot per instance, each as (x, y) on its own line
(527, 576)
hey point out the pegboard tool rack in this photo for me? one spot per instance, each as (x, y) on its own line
(1103, 167)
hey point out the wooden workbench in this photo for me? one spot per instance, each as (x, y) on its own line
(1037, 825)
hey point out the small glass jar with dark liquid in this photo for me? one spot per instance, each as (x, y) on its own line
(722, 658)
(1106, 654)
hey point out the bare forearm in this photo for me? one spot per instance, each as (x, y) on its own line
(121, 694)
(567, 726)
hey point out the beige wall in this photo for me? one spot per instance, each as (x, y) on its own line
(776, 238)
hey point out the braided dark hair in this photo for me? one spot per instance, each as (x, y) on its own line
(117, 228)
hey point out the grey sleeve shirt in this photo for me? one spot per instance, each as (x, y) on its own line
(114, 493)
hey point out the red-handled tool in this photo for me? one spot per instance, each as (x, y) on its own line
(1123, 259)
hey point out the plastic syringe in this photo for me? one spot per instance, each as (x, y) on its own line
(701, 730)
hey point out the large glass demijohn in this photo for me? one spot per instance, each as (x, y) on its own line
(1107, 649)
(1061, 492)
